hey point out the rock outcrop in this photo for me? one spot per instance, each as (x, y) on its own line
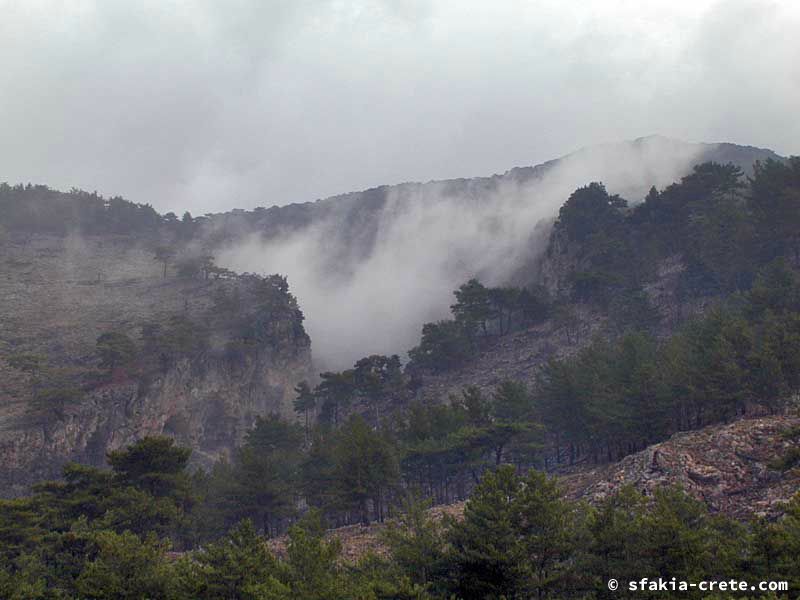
(726, 466)
(58, 294)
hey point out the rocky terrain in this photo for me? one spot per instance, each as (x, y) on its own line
(62, 287)
(730, 467)
(517, 356)
(58, 294)
(520, 354)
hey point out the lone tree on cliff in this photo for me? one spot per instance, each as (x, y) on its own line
(164, 254)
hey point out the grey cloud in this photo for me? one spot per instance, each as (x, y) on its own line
(204, 105)
(429, 241)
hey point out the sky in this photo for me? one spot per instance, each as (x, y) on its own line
(204, 105)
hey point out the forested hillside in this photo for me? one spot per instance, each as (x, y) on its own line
(637, 322)
(117, 324)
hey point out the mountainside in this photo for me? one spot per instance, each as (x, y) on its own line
(734, 468)
(371, 267)
(184, 376)
(121, 323)
(623, 346)
(354, 219)
(520, 355)
(729, 467)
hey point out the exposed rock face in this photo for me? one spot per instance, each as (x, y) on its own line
(208, 407)
(57, 294)
(724, 465)
(517, 356)
(727, 466)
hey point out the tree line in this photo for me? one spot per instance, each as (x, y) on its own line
(108, 535)
(479, 313)
(362, 441)
(39, 209)
(723, 227)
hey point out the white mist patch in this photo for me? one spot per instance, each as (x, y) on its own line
(428, 243)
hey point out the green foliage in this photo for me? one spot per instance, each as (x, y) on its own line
(104, 534)
(365, 468)
(37, 208)
(787, 461)
(163, 344)
(479, 312)
(516, 538)
(377, 379)
(615, 531)
(190, 267)
(334, 393)
(723, 229)
(164, 255)
(535, 304)
(115, 350)
(261, 484)
(444, 346)
(275, 322)
(631, 310)
(519, 538)
(589, 210)
(484, 548)
(21, 528)
(472, 308)
(55, 399)
(614, 397)
(608, 399)
(239, 565)
(305, 401)
(312, 563)
(153, 464)
(125, 568)
(776, 288)
(25, 579)
(416, 542)
(775, 204)
(720, 239)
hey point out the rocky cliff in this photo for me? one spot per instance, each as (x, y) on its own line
(740, 469)
(229, 349)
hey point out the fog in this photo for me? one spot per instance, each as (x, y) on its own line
(428, 243)
(204, 105)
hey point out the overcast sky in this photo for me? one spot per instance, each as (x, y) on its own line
(210, 105)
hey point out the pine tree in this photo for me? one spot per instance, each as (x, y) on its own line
(366, 468)
(416, 542)
(305, 402)
(240, 565)
(484, 548)
(472, 308)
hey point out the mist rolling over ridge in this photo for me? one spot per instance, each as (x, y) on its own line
(370, 268)
(379, 299)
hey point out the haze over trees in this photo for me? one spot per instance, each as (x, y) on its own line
(364, 441)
